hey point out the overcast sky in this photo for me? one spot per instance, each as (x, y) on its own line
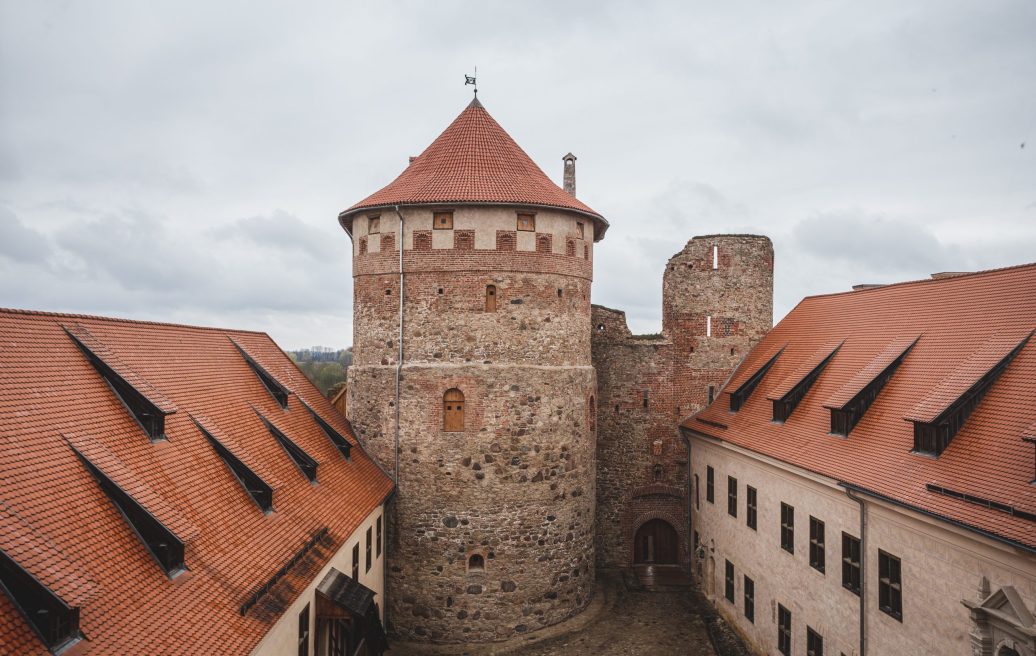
(186, 161)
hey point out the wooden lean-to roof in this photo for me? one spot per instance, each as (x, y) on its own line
(953, 332)
(57, 414)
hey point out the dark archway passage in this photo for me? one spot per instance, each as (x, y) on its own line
(656, 543)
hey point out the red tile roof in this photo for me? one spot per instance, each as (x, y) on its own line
(57, 523)
(966, 324)
(474, 161)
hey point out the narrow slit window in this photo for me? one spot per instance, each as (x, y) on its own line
(56, 622)
(490, 298)
(731, 496)
(356, 561)
(380, 533)
(370, 548)
(712, 394)
(787, 528)
(527, 222)
(453, 411)
(715, 257)
(306, 464)
(710, 484)
(708, 326)
(442, 220)
(166, 548)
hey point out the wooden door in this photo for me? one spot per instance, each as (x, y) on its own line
(656, 543)
(490, 298)
(453, 411)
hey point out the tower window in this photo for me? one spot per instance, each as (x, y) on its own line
(442, 220)
(527, 222)
(490, 298)
(579, 230)
(476, 563)
(708, 326)
(593, 416)
(453, 411)
(715, 257)
(712, 394)
(373, 224)
(379, 532)
(657, 473)
(644, 400)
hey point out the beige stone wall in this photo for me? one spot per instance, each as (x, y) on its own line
(282, 638)
(941, 563)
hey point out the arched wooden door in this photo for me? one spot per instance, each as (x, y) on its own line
(453, 411)
(656, 543)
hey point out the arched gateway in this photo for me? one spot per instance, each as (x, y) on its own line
(656, 543)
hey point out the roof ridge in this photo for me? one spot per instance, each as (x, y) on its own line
(903, 283)
(110, 319)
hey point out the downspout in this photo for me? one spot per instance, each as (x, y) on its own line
(399, 358)
(863, 573)
(690, 500)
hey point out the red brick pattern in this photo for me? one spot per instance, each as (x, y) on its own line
(59, 525)
(964, 324)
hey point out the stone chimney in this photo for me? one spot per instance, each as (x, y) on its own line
(570, 173)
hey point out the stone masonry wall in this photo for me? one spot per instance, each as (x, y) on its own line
(516, 486)
(712, 316)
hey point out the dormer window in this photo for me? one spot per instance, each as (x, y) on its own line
(740, 395)
(273, 386)
(336, 438)
(527, 222)
(253, 484)
(164, 545)
(851, 401)
(442, 220)
(55, 622)
(942, 414)
(373, 224)
(306, 464)
(144, 402)
(787, 395)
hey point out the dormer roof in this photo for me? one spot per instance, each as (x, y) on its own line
(473, 162)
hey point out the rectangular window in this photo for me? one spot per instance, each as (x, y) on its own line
(750, 600)
(708, 326)
(890, 585)
(373, 224)
(370, 531)
(697, 493)
(816, 544)
(442, 220)
(750, 511)
(527, 222)
(731, 496)
(696, 542)
(356, 561)
(379, 535)
(715, 257)
(850, 563)
(710, 484)
(712, 394)
(304, 632)
(579, 229)
(783, 630)
(814, 643)
(729, 590)
(787, 528)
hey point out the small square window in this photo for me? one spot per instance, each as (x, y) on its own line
(527, 222)
(373, 224)
(442, 220)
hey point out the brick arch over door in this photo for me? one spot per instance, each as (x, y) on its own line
(671, 518)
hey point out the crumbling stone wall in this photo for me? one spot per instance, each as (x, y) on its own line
(516, 487)
(717, 302)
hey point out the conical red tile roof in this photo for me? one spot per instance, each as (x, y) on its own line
(474, 161)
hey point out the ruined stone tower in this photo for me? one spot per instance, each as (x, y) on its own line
(717, 302)
(477, 388)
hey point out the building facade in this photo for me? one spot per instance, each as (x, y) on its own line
(472, 381)
(864, 483)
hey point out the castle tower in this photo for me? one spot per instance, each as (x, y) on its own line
(717, 302)
(490, 421)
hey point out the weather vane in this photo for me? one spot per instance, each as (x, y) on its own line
(472, 79)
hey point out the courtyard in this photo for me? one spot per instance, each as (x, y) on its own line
(625, 618)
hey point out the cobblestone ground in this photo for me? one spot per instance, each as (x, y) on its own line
(622, 621)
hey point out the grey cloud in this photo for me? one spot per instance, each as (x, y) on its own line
(281, 230)
(19, 242)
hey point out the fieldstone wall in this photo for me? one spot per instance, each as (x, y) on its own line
(717, 303)
(491, 532)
